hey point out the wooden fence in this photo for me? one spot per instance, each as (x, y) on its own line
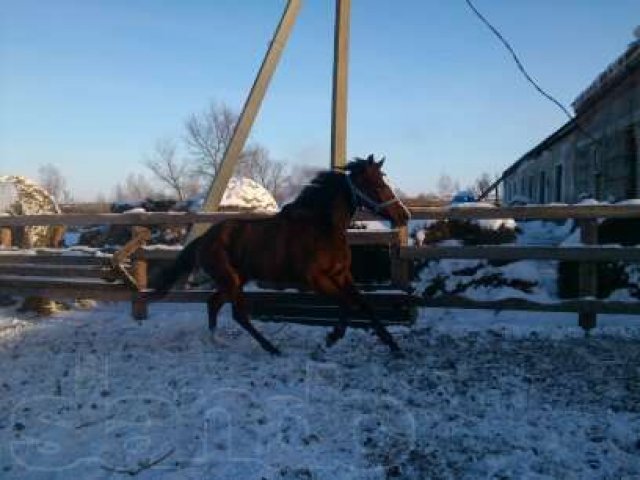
(130, 264)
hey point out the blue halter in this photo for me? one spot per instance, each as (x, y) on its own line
(366, 200)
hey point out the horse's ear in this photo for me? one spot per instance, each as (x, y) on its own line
(370, 158)
(381, 162)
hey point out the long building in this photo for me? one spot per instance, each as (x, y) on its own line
(596, 154)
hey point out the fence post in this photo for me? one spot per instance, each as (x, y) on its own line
(5, 237)
(25, 237)
(139, 309)
(588, 274)
(400, 269)
(57, 236)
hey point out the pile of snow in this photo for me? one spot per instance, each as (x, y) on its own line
(490, 223)
(241, 194)
(546, 232)
(481, 279)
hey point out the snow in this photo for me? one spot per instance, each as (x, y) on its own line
(86, 394)
(545, 233)
(631, 201)
(135, 210)
(479, 394)
(491, 223)
(242, 193)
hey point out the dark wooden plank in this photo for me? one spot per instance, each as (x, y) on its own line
(506, 252)
(53, 288)
(304, 298)
(133, 219)
(60, 271)
(581, 305)
(329, 322)
(531, 212)
(321, 311)
(53, 259)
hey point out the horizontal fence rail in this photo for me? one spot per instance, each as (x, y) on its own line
(533, 212)
(51, 272)
(585, 253)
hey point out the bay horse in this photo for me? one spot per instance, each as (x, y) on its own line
(305, 243)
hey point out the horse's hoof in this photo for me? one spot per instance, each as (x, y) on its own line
(330, 340)
(397, 353)
(274, 351)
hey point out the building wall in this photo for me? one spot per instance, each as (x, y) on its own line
(608, 170)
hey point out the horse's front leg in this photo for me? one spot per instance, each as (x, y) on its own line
(349, 298)
(354, 295)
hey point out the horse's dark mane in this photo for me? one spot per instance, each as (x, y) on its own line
(319, 195)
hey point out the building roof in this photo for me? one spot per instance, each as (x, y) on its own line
(618, 70)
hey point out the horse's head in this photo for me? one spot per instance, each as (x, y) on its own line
(370, 190)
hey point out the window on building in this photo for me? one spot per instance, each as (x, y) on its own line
(631, 155)
(542, 188)
(557, 196)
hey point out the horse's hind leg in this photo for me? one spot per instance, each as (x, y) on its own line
(339, 330)
(229, 284)
(214, 303)
(241, 316)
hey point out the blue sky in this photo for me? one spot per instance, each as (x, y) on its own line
(91, 85)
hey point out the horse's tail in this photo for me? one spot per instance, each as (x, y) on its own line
(185, 262)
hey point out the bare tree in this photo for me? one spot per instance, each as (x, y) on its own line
(258, 165)
(52, 180)
(447, 186)
(135, 187)
(171, 172)
(482, 183)
(208, 134)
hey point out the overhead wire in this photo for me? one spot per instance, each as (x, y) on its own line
(526, 74)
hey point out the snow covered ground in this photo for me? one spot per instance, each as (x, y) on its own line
(92, 394)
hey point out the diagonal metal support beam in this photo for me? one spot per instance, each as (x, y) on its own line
(249, 113)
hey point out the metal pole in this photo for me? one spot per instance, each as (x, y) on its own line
(249, 113)
(340, 82)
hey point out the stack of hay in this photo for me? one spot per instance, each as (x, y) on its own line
(21, 196)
